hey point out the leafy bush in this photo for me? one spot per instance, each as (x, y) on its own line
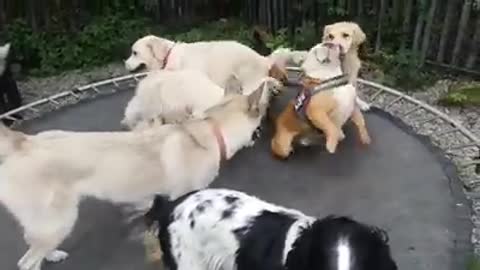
(462, 96)
(402, 70)
(102, 41)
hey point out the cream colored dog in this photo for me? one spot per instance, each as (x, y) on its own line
(219, 60)
(172, 96)
(169, 97)
(44, 176)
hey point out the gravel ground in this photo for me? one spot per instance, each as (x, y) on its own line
(36, 88)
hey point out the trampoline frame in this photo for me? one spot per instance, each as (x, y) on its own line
(473, 142)
(462, 159)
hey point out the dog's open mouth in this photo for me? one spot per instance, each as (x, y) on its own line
(140, 68)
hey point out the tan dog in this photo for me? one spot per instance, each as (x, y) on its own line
(349, 36)
(45, 176)
(327, 110)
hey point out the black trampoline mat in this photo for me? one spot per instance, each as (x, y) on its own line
(401, 183)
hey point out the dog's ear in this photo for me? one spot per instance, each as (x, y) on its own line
(326, 31)
(254, 99)
(359, 36)
(278, 73)
(158, 48)
(4, 50)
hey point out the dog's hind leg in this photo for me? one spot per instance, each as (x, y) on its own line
(359, 121)
(51, 227)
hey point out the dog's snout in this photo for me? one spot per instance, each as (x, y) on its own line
(329, 45)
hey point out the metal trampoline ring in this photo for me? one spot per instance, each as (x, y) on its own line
(115, 84)
(55, 101)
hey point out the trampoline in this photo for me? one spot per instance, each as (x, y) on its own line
(401, 182)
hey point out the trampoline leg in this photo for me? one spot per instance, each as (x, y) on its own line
(359, 121)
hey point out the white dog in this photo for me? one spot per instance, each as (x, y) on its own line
(169, 97)
(172, 96)
(219, 60)
(44, 176)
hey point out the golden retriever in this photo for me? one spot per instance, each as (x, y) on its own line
(45, 176)
(219, 60)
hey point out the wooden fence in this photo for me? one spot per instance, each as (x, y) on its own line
(445, 33)
(441, 32)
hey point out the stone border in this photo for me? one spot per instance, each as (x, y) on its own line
(422, 118)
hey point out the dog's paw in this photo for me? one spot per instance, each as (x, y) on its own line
(365, 139)
(364, 106)
(331, 146)
(56, 256)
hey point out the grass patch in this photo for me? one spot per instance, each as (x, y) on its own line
(469, 95)
(473, 264)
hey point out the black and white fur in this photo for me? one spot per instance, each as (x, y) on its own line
(225, 229)
(9, 95)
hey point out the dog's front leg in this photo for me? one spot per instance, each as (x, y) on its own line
(359, 121)
(364, 106)
(322, 121)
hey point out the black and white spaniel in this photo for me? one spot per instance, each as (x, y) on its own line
(223, 229)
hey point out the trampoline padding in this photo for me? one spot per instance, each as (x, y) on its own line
(400, 182)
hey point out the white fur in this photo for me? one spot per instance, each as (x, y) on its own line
(219, 60)
(293, 233)
(172, 96)
(344, 257)
(211, 244)
(43, 177)
(4, 50)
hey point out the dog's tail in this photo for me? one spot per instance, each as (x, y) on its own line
(10, 141)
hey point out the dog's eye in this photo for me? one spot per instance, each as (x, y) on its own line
(134, 53)
(330, 36)
(345, 35)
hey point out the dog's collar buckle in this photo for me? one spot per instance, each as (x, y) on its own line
(220, 139)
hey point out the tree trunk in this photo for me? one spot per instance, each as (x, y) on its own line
(31, 15)
(418, 28)
(428, 30)
(449, 16)
(406, 24)
(2, 14)
(396, 11)
(462, 28)
(359, 8)
(381, 16)
(474, 47)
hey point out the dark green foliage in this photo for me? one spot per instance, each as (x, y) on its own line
(104, 40)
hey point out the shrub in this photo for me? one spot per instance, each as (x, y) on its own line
(102, 41)
(402, 69)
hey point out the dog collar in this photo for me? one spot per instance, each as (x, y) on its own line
(220, 140)
(165, 60)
